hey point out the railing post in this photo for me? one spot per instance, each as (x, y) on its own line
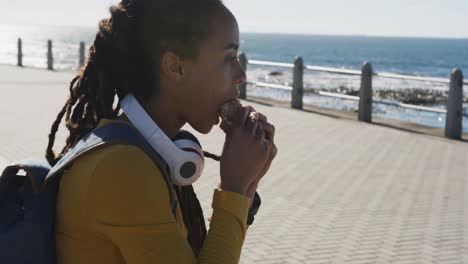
(20, 52)
(453, 122)
(298, 84)
(82, 53)
(365, 94)
(243, 87)
(50, 57)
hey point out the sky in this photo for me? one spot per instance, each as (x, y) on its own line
(409, 18)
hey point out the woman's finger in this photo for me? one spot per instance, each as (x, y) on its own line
(251, 109)
(251, 125)
(260, 133)
(265, 168)
(269, 131)
(258, 116)
(262, 117)
(244, 117)
(273, 151)
(238, 120)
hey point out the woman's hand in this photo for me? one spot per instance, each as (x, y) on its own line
(244, 154)
(270, 139)
(248, 152)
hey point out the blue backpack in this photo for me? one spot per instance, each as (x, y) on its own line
(28, 203)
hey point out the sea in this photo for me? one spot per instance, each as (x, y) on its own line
(431, 57)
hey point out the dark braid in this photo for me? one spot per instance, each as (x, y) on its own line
(193, 217)
(122, 60)
(211, 156)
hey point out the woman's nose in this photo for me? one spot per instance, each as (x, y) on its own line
(240, 76)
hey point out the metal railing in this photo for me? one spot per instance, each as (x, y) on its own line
(454, 111)
(355, 98)
(50, 57)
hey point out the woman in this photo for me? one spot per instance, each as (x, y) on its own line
(178, 58)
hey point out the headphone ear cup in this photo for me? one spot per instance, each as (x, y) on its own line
(194, 162)
(188, 145)
(184, 134)
(192, 150)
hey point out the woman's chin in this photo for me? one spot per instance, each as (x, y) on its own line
(203, 129)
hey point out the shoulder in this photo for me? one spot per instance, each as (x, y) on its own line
(126, 182)
(122, 156)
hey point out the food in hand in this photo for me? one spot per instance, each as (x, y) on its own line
(230, 114)
(228, 111)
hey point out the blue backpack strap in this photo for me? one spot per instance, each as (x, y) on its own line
(116, 133)
(111, 134)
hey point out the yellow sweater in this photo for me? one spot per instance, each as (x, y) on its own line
(113, 207)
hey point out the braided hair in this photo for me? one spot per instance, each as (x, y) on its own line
(122, 60)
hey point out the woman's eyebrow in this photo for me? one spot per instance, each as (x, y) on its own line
(232, 46)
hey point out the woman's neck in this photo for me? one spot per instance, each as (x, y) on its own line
(164, 115)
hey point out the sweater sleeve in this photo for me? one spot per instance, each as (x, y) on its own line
(128, 202)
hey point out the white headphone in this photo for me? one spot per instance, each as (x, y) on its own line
(184, 155)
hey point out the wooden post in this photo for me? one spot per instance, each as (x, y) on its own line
(82, 53)
(365, 94)
(453, 122)
(50, 57)
(298, 84)
(243, 87)
(20, 52)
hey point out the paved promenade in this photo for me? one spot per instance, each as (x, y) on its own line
(340, 191)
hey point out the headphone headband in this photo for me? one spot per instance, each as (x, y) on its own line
(184, 156)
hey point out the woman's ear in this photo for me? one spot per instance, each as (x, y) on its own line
(172, 66)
